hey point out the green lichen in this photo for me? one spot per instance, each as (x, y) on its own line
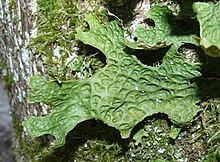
(121, 94)
(209, 19)
(166, 31)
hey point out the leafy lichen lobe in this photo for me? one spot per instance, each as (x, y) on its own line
(208, 16)
(121, 94)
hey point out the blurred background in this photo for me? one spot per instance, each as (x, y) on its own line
(6, 154)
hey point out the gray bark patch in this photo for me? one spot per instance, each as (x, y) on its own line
(6, 154)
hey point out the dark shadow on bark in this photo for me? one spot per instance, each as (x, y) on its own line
(185, 23)
(150, 120)
(97, 130)
(182, 25)
(92, 60)
(149, 57)
(209, 83)
(87, 130)
(90, 51)
(192, 53)
(186, 6)
(123, 9)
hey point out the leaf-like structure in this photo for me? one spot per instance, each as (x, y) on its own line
(167, 31)
(121, 94)
(208, 15)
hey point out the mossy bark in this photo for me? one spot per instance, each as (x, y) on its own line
(17, 26)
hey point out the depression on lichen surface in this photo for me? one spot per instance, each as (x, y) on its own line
(121, 94)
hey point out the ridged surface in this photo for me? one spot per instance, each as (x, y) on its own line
(166, 30)
(209, 19)
(121, 94)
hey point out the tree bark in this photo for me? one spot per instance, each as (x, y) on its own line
(17, 26)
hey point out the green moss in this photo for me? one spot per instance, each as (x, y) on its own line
(11, 6)
(1, 68)
(27, 146)
(95, 150)
(1, 63)
(12, 11)
(17, 134)
(56, 21)
(24, 147)
(55, 42)
(5, 77)
(211, 120)
(154, 144)
(7, 81)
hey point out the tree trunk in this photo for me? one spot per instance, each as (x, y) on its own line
(17, 26)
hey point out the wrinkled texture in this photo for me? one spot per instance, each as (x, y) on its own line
(166, 31)
(208, 15)
(121, 94)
